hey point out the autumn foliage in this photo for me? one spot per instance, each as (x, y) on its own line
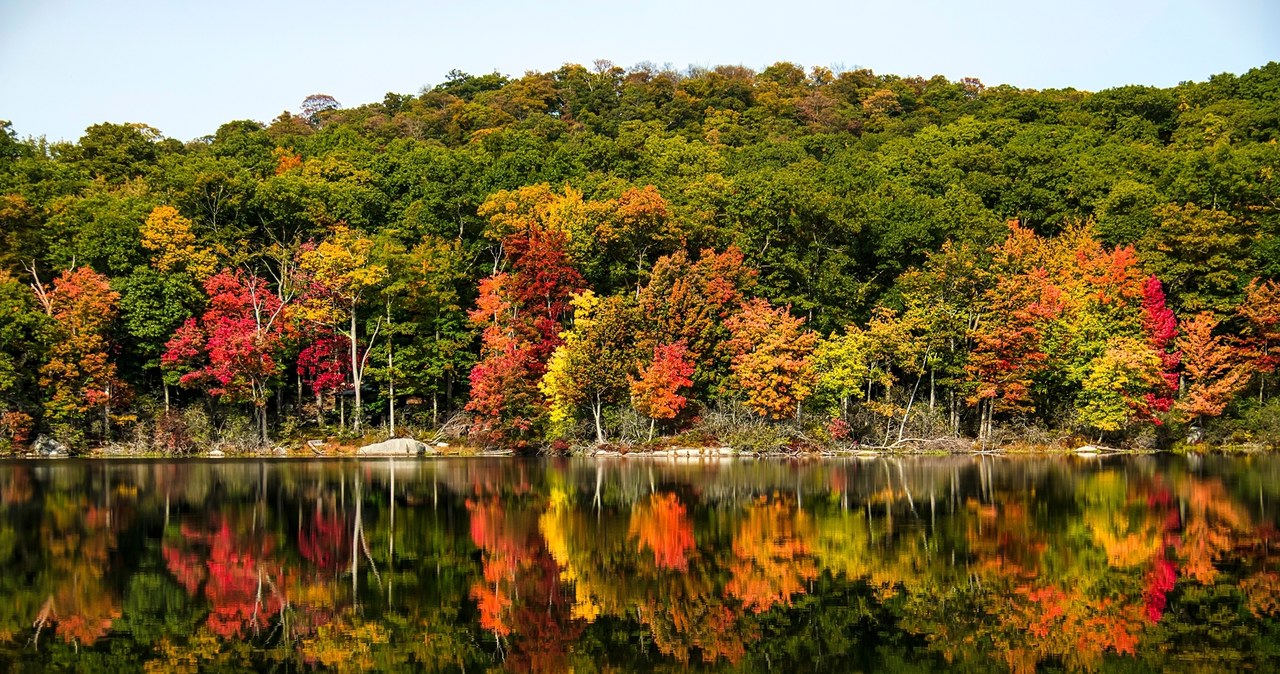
(80, 374)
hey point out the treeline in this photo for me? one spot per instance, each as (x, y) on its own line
(614, 255)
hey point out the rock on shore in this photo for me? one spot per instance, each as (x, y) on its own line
(395, 447)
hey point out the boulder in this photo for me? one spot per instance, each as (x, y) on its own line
(215, 454)
(48, 447)
(394, 447)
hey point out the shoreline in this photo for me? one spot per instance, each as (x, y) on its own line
(712, 453)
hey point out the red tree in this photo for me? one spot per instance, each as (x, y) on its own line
(325, 367)
(522, 314)
(1161, 327)
(1008, 350)
(690, 301)
(233, 351)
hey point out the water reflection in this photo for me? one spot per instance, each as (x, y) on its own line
(1146, 563)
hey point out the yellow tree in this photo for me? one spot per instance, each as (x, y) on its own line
(337, 276)
(167, 234)
(591, 367)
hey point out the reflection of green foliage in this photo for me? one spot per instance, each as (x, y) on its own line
(155, 607)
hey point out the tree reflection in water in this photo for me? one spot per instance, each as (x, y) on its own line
(1145, 563)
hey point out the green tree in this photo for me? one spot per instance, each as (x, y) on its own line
(1201, 256)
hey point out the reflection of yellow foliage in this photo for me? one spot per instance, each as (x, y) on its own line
(201, 650)
(344, 646)
(554, 526)
(1262, 592)
(773, 551)
(1212, 524)
(1130, 533)
(79, 541)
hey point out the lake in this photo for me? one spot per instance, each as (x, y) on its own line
(1139, 563)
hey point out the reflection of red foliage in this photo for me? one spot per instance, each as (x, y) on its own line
(1160, 581)
(544, 629)
(187, 567)
(324, 543)
(236, 586)
(235, 579)
(503, 554)
(521, 595)
(1164, 572)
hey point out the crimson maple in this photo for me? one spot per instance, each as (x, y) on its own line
(1161, 327)
(521, 314)
(233, 351)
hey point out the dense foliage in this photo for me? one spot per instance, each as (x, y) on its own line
(601, 252)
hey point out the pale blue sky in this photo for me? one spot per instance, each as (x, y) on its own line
(187, 67)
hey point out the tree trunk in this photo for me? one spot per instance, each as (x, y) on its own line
(652, 422)
(596, 409)
(262, 423)
(166, 395)
(355, 373)
(954, 412)
(106, 417)
(933, 392)
(391, 391)
(391, 377)
(902, 428)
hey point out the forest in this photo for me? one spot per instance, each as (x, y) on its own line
(782, 260)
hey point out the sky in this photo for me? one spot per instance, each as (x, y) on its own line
(188, 67)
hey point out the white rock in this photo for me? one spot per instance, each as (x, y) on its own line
(394, 447)
(215, 454)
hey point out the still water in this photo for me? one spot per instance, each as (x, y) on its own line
(1146, 563)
